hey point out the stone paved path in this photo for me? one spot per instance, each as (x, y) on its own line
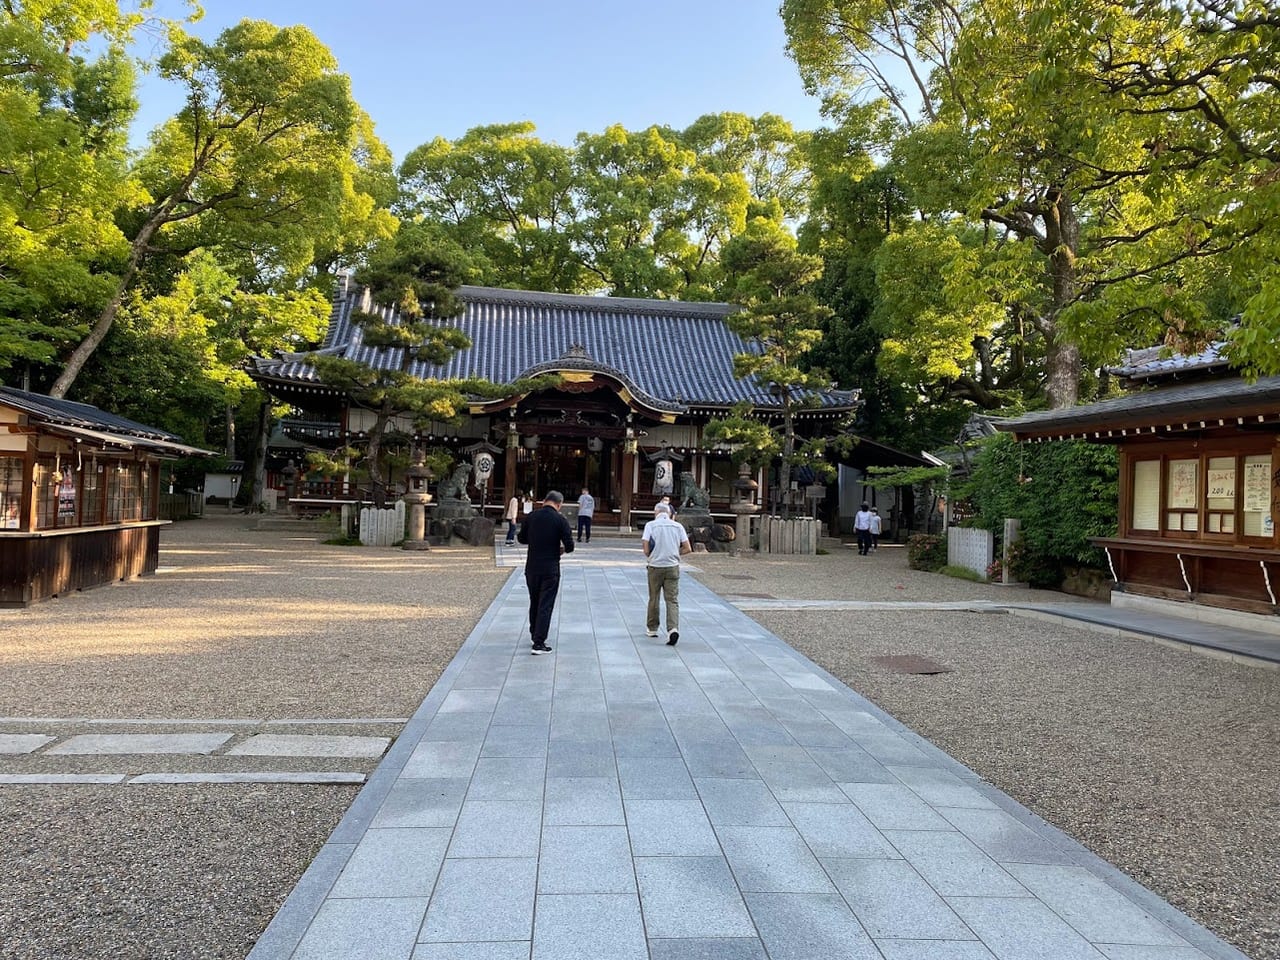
(721, 800)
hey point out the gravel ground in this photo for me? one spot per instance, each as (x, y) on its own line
(1164, 763)
(237, 624)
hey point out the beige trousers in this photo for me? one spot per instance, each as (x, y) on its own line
(667, 581)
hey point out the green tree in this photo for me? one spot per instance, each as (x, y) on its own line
(781, 323)
(418, 278)
(259, 165)
(64, 117)
(505, 199)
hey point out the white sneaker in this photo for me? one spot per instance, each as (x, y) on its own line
(651, 633)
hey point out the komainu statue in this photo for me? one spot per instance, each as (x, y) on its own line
(692, 495)
(454, 487)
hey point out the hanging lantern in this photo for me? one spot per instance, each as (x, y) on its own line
(595, 444)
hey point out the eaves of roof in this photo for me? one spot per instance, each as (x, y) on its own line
(1209, 403)
(83, 421)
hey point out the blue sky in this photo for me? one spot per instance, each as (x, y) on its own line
(439, 67)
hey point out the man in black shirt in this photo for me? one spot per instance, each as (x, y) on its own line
(547, 535)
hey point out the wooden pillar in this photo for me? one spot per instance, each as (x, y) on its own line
(626, 480)
(509, 474)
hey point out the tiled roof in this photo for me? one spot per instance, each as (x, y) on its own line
(673, 355)
(1152, 363)
(1191, 403)
(85, 417)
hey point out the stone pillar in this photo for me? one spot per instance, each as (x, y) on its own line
(626, 482)
(1012, 531)
(509, 476)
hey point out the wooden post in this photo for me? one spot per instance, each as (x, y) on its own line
(626, 481)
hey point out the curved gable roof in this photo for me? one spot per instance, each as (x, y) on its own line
(675, 355)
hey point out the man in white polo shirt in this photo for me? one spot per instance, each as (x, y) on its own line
(665, 542)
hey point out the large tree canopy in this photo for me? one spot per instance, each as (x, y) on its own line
(1112, 153)
(633, 213)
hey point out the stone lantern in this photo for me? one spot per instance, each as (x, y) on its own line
(417, 497)
(290, 474)
(743, 506)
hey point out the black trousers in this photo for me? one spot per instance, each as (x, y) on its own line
(584, 523)
(543, 588)
(864, 541)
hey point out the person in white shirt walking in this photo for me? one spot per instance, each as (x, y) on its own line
(513, 517)
(664, 542)
(862, 527)
(876, 526)
(586, 509)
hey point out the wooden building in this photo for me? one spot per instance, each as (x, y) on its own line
(639, 380)
(1199, 479)
(79, 496)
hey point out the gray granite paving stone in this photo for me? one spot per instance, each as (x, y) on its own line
(432, 802)
(1002, 837)
(851, 764)
(838, 830)
(516, 740)
(303, 745)
(61, 778)
(890, 748)
(722, 948)
(941, 788)
(1124, 951)
(585, 860)
(583, 801)
(1100, 912)
(894, 807)
(504, 950)
(772, 860)
(655, 778)
(457, 726)
(398, 862)
(1022, 929)
(802, 781)
(653, 743)
(891, 900)
(580, 758)
(589, 927)
(934, 950)
(809, 926)
(508, 778)
(362, 930)
(497, 828)
(740, 802)
(713, 758)
(23, 742)
(461, 700)
(435, 758)
(254, 776)
(691, 897)
(953, 865)
(670, 828)
(119, 744)
(482, 900)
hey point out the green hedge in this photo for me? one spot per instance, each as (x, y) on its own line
(926, 551)
(1063, 492)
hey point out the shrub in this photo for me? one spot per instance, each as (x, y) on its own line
(960, 573)
(926, 551)
(1063, 492)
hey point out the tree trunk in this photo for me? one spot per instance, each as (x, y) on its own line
(85, 349)
(1062, 358)
(258, 481)
(378, 486)
(231, 431)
